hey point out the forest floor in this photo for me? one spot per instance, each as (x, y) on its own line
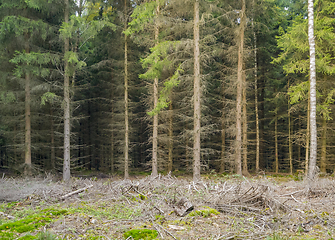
(225, 207)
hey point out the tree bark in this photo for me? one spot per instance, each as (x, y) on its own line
(27, 149)
(170, 158)
(155, 123)
(223, 135)
(126, 122)
(312, 74)
(197, 95)
(52, 139)
(323, 162)
(256, 90)
(238, 146)
(66, 164)
(276, 142)
(245, 128)
(290, 143)
(308, 134)
(112, 134)
(289, 134)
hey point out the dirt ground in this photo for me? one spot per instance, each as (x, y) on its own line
(225, 207)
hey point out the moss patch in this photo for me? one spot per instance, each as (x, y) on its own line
(145, 234)
(9, 230)
(206, 212)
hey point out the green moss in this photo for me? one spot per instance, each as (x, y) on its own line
(137, 234)
(207, 212)
(32, 222)
(116, 211)
(27, 237)
(6, 235)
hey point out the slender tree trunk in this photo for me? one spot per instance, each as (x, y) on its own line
(245, 128)
(112, 135)
(170, 160)
(66, 164)
(223, 135)
(276, 142)
(312, 74)
(52, 136)
(289, 134)
(256, 91)
(323, 162)
(308, 134)
(155, 123)
(299, 146)
(126, 134)
(290, 142)
(27, 144)
(238, 146)
(14, 140)
(197, 95)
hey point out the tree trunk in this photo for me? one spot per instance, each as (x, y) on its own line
(312, 74)
(289, 134)
(170, 160)
(155, 123)
(276, 142)
(27, 149)
(245, 128)
(112, 134)
(223, 135)
(290, 143)
(66, 164)
(52, 139)
(308, 134)
(197, 95)
(126, 134)
(238, 146)
(323, 162)
(256, 91)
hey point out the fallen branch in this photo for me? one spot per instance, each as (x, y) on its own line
(168, 232)
(75, 192)
(289, 194)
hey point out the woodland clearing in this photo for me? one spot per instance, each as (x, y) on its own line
(225, 207)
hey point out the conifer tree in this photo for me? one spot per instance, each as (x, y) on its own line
(21, 22)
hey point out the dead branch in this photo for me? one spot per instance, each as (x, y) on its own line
(75, 192)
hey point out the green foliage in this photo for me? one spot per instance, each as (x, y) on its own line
(84, 26)
(7, 97)
(48, 97)
(142, 15)
(159, 60)
(295, 47)
(75, 63)
(31, 63)
(299, 92)
(20, 26)
(137, 234)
